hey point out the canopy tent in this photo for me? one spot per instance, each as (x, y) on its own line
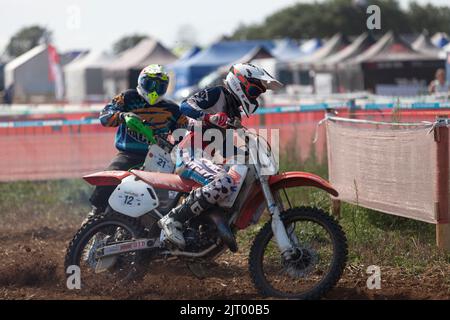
(299, 71)
(287, 49)
(189, 53)
(84, 78)
(185, 57)
(219, 54)
(259, 54)
(122, 72)
(440, 39)
(69, 56)
(423, 44)
(29, 76)
(391, 66)
(332, 46)
(358, 46)
(309, 46)
(331, 71)
(390, 48)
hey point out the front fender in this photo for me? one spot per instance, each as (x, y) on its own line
(281, 181)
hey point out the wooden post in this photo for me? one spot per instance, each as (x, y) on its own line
(335, 203)
(336, 208)
(441, 136)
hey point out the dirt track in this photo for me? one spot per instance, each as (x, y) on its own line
(32, 268)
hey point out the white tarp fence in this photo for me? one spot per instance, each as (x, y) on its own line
(389, 168)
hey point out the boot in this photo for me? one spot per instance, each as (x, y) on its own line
(172, 223)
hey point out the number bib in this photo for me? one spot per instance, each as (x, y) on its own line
(158, 160)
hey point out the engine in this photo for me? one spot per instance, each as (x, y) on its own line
(199, 235)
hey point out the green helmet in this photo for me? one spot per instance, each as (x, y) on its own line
(152, 83)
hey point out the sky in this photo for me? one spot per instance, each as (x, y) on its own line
(89, 24)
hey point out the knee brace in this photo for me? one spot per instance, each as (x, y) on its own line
(219, 188)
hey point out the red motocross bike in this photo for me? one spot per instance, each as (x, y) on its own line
(299, 253)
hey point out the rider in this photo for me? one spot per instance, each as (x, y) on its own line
(213, 106)
(146, 102)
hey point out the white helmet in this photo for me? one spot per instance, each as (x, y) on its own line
(152, 83)
(247, 82)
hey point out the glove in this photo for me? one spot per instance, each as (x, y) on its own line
(122, 116)
(218, 119)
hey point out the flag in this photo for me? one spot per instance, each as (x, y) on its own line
(55, 72)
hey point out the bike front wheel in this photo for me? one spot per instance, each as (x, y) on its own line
(315, 267)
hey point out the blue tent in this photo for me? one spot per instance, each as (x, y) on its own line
(286, 49)
(440, 39)
(190, 71)
(311, 45)
(189, 54)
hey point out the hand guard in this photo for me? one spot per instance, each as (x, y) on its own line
(218, 119)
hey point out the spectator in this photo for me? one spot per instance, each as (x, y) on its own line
(439, 84)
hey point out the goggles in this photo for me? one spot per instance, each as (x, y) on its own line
(252, 90)
(154, 84)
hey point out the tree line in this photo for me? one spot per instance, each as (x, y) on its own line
(325, 18)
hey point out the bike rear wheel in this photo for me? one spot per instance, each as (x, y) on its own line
(99, 231)
(321, 255)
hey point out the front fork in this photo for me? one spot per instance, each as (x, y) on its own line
(279, 231)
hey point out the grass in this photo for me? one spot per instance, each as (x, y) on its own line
(27, 203)
(373, 237)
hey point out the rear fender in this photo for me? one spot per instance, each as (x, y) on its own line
(106, 178)
(281, 181)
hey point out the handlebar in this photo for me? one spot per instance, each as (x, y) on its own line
(138, 125)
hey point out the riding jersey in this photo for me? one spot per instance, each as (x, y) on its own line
(163, 117)
(217, 183)
(208, 101)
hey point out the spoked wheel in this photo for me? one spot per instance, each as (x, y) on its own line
(315, 267)
(103, 273)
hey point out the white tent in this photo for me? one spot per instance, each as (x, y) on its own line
(29, 76)
(84, 78)
(332, 46)
(424, 44)
(122, 73)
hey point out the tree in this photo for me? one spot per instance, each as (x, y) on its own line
(325, 18)
(127, 42)
(26, 39)
(429, 17)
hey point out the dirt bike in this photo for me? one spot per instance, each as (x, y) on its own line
(299, 253)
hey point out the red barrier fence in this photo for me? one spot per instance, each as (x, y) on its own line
(67, 151)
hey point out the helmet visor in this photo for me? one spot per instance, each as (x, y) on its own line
(154, 85)
(254, 91)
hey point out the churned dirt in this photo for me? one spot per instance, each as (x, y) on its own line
(31, 267)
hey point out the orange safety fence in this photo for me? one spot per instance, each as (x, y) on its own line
(70, 151)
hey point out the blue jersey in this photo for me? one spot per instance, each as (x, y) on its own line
(163, 117)
(208, 101)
